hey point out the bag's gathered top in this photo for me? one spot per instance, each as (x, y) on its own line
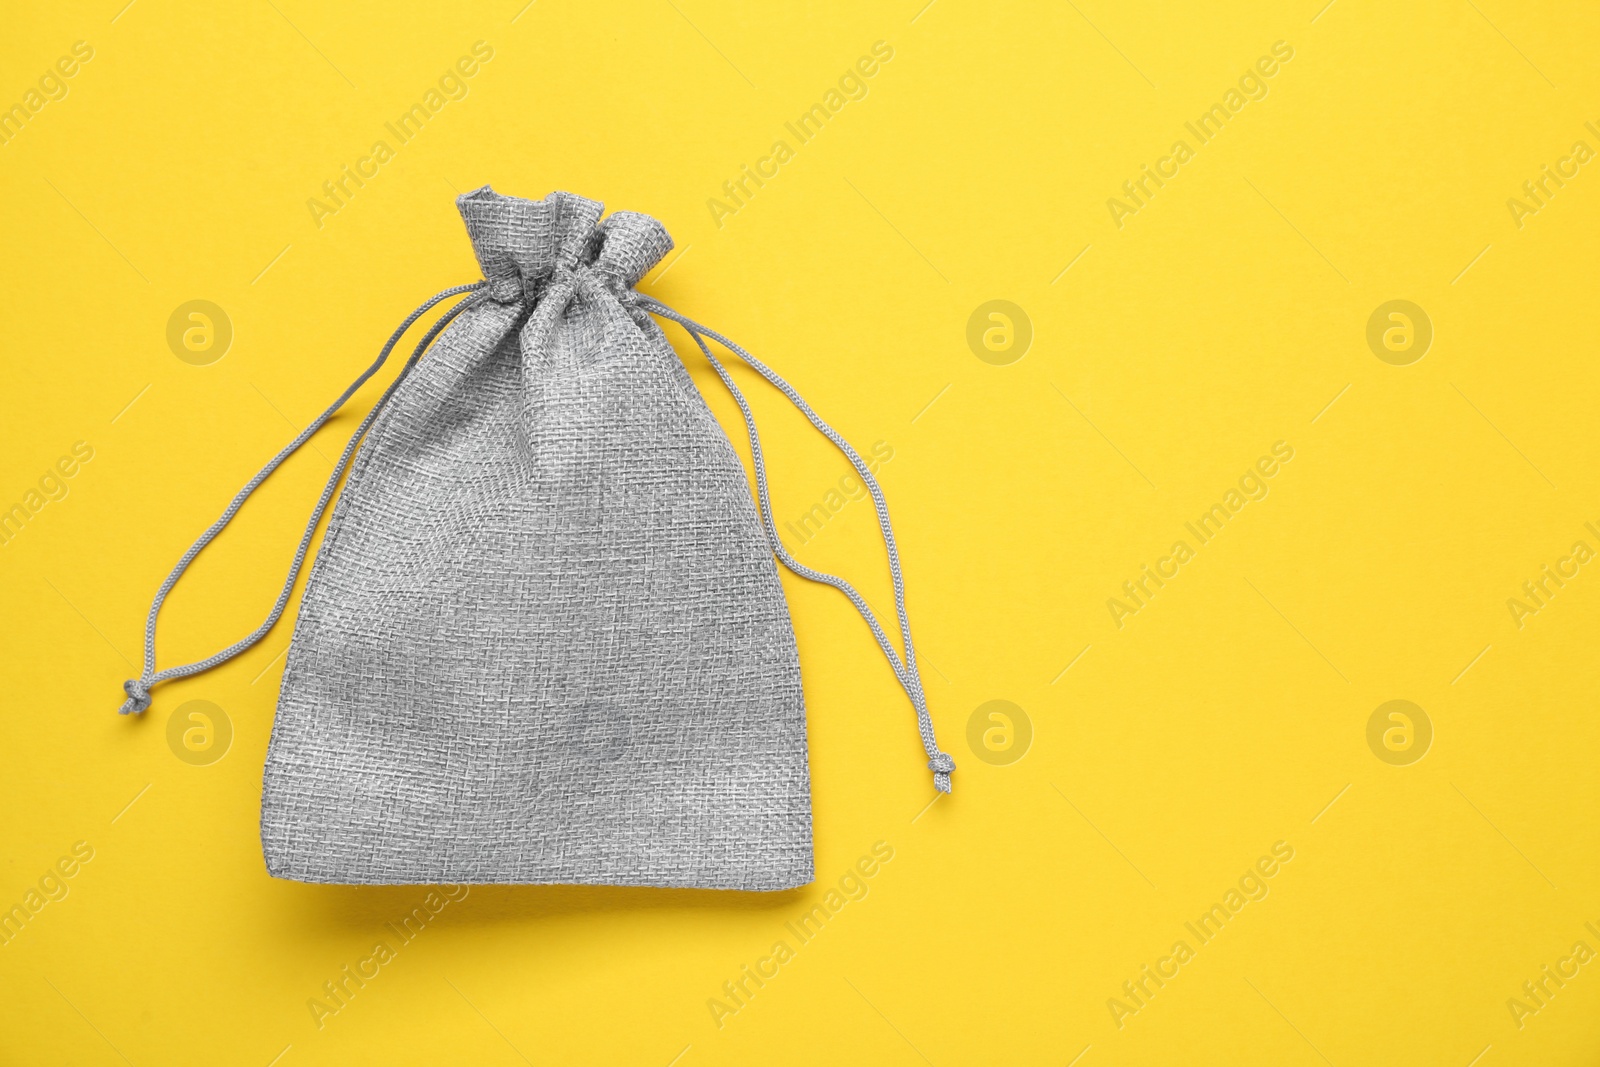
(543, 639)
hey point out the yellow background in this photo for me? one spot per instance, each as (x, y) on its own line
(1228, 714)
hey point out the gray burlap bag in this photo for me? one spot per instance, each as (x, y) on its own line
(543, 639)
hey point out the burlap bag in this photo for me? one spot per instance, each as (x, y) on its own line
(543, 639)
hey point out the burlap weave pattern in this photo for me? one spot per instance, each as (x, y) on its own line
(544, 639)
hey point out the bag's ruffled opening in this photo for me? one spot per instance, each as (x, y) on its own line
(522, 244)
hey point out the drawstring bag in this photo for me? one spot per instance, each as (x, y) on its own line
(542, 640)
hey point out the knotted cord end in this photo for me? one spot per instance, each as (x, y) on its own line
(941, 765)
(138, 697)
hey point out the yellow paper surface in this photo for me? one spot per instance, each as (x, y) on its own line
(1235, 371)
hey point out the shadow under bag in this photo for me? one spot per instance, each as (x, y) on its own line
(544, 640)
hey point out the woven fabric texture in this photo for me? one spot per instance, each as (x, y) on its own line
(543, 640)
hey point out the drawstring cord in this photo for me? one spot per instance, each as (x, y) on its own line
(138, 689)
(905, 669)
